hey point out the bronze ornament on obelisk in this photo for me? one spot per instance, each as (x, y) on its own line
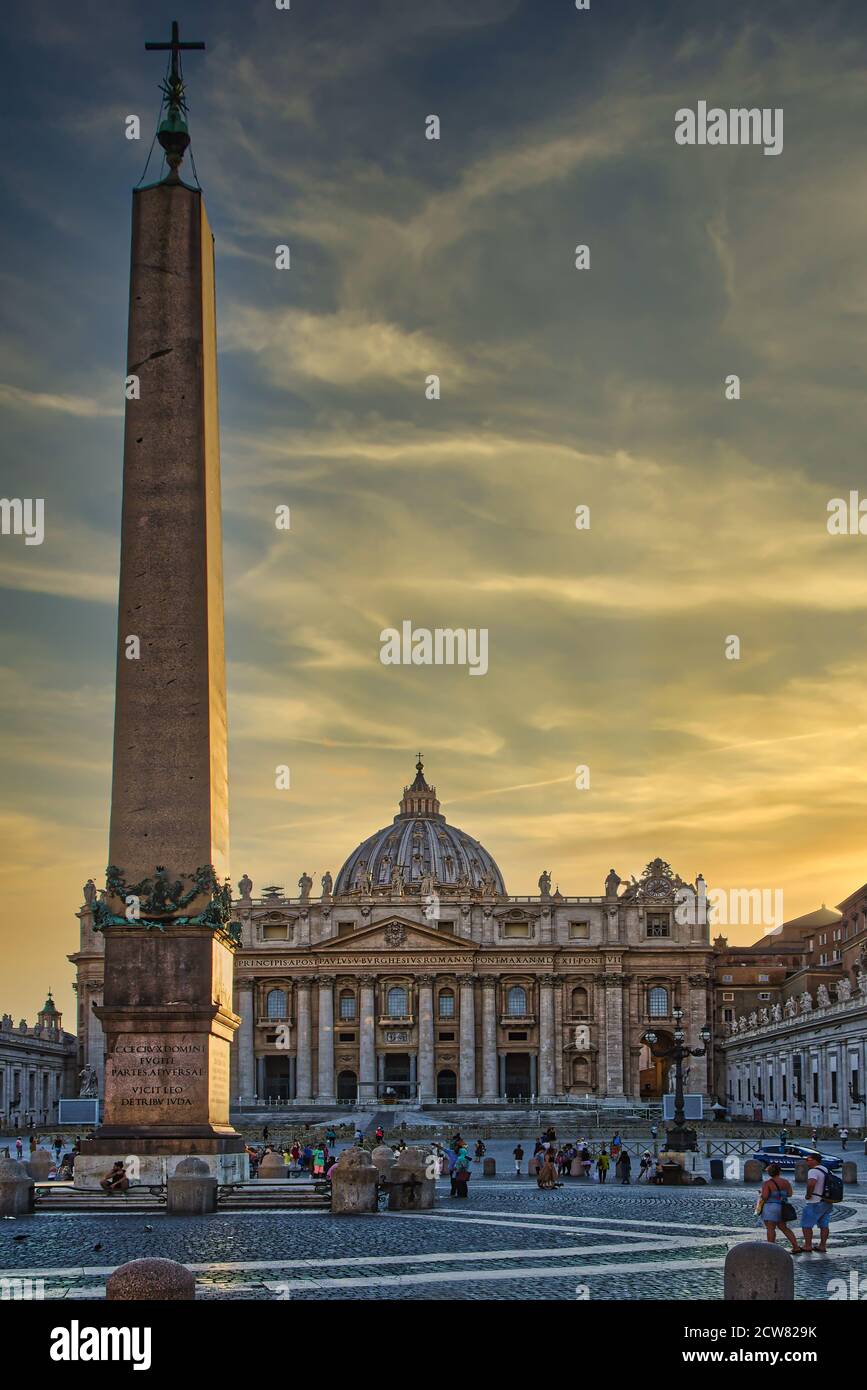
(167, 1010)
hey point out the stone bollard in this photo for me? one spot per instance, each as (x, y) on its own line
(353, 1184)
(383, 1159)
(489, 1167)
(39, 1165)
(753, 1171)
(162, 1281)
(533, 1167)
(850, 1172)
(272, 1167)
(717, 1170)
(577, 1169)
(410, 1188)
(192, 1189)
(17, 1193)
(756, 1271)
(802, 1172)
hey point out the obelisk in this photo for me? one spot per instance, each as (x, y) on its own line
(167, 1009)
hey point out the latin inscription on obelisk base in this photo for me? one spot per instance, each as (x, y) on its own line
(167, 1008)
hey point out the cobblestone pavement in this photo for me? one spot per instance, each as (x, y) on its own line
(508, 1240)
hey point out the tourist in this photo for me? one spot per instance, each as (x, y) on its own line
(775, 1207)
(653, 1132)
(586, 1160)
(844, 1136)
(603, 1163)
(379, 1134)
(624, 1167)
(547, 1175)
(306, 1158)
(518, 1156)
(265, 1134)
(66, 1169)
(814, 1135)
(615, 1147)
(318, 1161)
(818, 1207)
(479, 1151)
(58, 1146)
(461, 1174)
(331, 1137)
(359, 1136)
(645, 1166)
(784, 1138)
(116, 1180)
(19, 1147)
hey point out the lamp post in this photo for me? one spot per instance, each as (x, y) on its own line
(680, 1137)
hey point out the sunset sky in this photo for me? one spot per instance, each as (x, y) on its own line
(602, 387)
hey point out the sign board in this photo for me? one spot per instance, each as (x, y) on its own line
(693, 1107)
(82, 1111)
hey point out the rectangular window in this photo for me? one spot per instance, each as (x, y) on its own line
(739, 1091)
(728, 998)
(345, 928)
(771, 1087)
(579, 931)
(447, 1037)
(748, 1090)
(763, 979)
(516, 929)
(346, 1037)
(658, 924)
(833, 1088)
(727, 979)
(517, 1037)
(347, 1006)
(728, 1015)
(784, 1081)
(764, 994)
(274, 933)
(447, 927)
(815, 1088)
(446, 1003)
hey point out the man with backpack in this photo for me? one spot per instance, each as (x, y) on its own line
(824, 1188)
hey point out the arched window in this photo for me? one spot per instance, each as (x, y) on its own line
(657, 1002)
(579, 1003)
(347, 1004)
(446, 1003)
(516, 1002)
(396, 1002)
(275, 1003)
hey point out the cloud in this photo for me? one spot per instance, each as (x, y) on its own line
(85, 407)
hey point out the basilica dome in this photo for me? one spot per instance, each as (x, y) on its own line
(420, 850)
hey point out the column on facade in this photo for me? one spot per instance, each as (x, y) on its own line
(501, 1071)
(613, 1014)
(325, 1088)
(303, 1040)
(489, 1038)
(426, 1079)
(467, 1064)
(546, 1035)
(246, 1062)
(95, 1037)
(558, 1036)
(367, 1038)
(697, 1018)
(260, 1078)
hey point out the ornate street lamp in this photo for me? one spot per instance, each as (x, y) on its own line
(680, 1137)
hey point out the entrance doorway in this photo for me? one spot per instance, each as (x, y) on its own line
(653, 1069)
(447, 1085)
(347, 1085)
(396, 1075)
(517, 1075)
(277, 1078)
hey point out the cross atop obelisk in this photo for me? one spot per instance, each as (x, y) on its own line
(173, 134)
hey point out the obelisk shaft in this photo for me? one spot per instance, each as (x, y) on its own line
(170, 780)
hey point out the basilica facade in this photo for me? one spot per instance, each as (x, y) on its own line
(414, 974)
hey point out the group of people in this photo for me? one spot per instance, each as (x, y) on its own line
(64, 1164)
(557, 1160)
(777, 1210)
